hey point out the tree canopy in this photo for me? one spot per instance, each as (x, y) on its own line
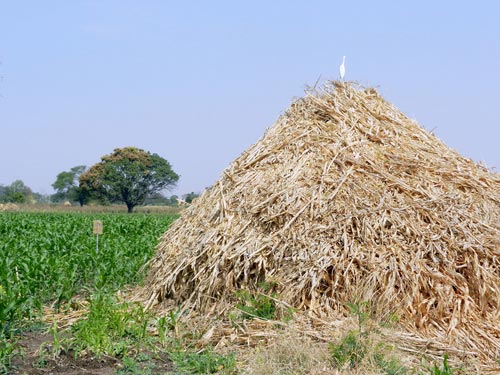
(16, 192)
(190, 197)
(66, 185)
(128, 175)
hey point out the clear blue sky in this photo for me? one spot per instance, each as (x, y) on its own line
(198, 82)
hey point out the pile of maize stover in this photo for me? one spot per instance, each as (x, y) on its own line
(346, 199)
(9, 207)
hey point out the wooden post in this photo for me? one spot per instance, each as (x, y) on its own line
(97, 229)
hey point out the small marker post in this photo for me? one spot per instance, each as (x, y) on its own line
(97, 229)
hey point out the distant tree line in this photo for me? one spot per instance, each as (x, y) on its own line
(128, 175)
(17, 192)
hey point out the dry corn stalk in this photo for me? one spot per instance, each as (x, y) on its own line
(346, 199)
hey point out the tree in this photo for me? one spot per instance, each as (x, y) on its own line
(17, 192)
(173, 200)
(156, 199)
(66, 185)
(41, 198)
(188, 198)
(128, 175)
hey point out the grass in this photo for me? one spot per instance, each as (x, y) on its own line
(203, 362)
(290, 354)
(110, 327)
(136, 366)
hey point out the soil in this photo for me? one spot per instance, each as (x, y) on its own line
(32, 362)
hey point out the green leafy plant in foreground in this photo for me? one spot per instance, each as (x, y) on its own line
(7, 352)
(135, 366)
(361, 311)
(445, 369)
(110, 327)
(204, 362)
(357, 347)
(351, 349)
(167, 323)
(353, 346)
(257, 305)
(390, 366)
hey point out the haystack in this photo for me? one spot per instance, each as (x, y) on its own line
(9, 207)
(346, 199)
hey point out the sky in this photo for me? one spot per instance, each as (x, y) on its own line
(198, 82)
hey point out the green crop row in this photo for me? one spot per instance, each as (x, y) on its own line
(51, 257)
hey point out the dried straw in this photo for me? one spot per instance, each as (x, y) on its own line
(346, 199)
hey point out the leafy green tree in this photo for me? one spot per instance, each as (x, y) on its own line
(41, 198)
(190, 197)
(173, 200)
(157, 199)
(128, 175)
(17, 192)
(66, 186)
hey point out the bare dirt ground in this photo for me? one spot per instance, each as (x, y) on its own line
(33, 362)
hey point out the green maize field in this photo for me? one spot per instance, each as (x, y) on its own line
(48, 258)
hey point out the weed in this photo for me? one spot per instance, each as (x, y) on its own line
(168, 323)
(135, 366)
(357, 347)
(445, 369)
(205, 362)
(257, 305)
(361, 310)
(391, 366)
(162, 329)
(110, 328)
(173, 320)
(353, 346)
(7, 352)
(351, 350)
(41, 361)
(390, 321)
